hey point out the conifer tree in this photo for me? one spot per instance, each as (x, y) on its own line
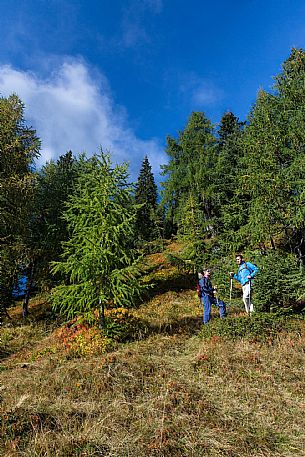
(191, 231)
(189, 171)
(263, 174)
(19, 146)
(99, 261)
(290, 87)
(54, 184)
(274, 164)
(231, 201)
(146, 195)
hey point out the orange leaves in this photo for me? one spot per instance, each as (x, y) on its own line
(79, 339)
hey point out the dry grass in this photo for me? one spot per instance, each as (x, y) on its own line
(169, 394)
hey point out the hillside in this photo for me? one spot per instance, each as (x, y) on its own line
(170, 390)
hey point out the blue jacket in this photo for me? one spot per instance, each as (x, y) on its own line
(244, 270)
(206, 287)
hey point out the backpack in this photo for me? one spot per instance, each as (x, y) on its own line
(199, 290)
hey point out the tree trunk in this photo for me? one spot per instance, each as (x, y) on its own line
(102, 314)
(30, 274)
(3, 312)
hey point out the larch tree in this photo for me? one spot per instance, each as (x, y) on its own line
(274, 162)
(100, 265)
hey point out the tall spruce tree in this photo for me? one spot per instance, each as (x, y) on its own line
(19, 146)
(231, 202)
(99, 263)
(146, 195)
(274, 163)
(54, 184)
(189, 172)
(290, 87)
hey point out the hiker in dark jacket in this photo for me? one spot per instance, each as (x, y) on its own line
(209, 296)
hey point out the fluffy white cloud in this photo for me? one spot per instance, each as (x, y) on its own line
(72, 109)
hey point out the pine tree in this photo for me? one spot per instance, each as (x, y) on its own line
(99, 262)
(146, 195)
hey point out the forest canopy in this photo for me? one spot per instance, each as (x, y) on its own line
(78, 228)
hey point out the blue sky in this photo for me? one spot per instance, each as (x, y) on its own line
(125, 74)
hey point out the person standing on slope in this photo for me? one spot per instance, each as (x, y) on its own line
(208, 296)
(246, 272)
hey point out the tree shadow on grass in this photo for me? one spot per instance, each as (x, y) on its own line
(174, 283)
(187, 326)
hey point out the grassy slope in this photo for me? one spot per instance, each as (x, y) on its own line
(172, 393)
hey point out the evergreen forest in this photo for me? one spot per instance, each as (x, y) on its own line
(98, 280)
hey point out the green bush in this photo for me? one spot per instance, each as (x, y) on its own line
(259, 327)
(279, 284)
(122, 325)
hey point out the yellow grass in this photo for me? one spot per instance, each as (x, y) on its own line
(172, 393)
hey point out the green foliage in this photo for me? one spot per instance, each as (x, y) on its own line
(274, 164)
(122, 326)
(280, 282)
(19, 146)
(146, 197)
(100, 264)
(260, 327)
(231, 201)
(188, 172)
(54, 184)
(192, 231)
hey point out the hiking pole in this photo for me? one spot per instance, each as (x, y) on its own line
(216, 295)
(250, 297)
(231, 287)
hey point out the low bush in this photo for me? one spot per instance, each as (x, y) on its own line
(122, 325)
(81, 340)
(259, 327)
(279, 284)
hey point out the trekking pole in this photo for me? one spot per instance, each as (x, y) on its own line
(231, 287)
(249, 297)
(216, 295)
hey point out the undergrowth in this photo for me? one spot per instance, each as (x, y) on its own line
(258, 327)
(156, 384)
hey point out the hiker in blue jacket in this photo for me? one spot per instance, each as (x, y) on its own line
(209, 296)
(246, 272)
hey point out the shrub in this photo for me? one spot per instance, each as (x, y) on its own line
(279, 284)
(260, 327)
(122, 325)
(81, 340)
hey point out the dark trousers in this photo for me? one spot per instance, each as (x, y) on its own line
(208, 301)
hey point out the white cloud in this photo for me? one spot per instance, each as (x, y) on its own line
(72, 109)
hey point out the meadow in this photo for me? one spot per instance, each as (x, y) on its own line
(169, 388)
